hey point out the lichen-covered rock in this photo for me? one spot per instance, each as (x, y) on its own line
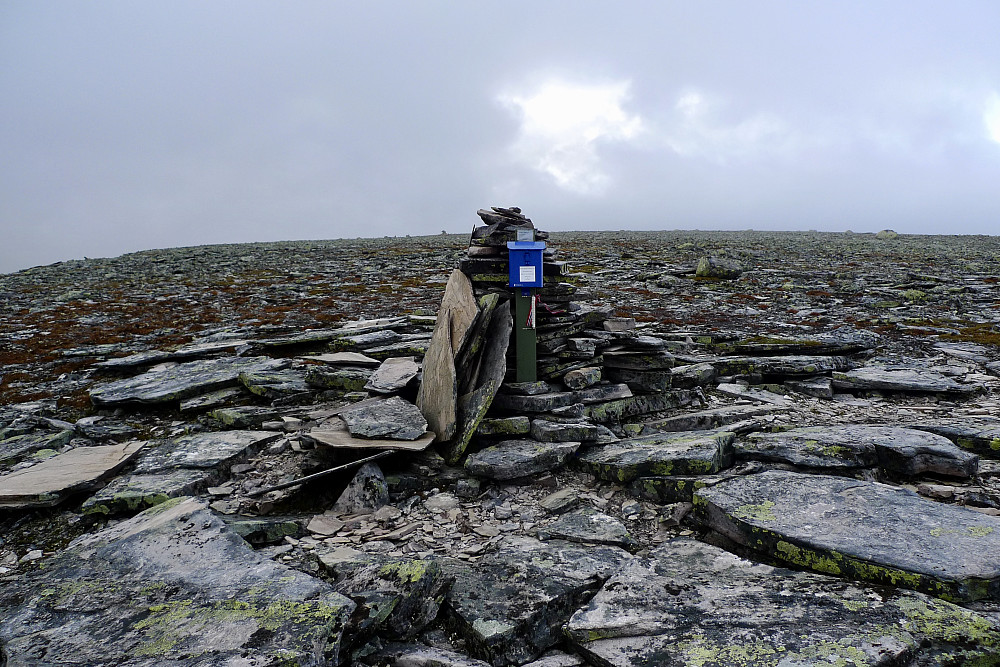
(163, 587)
(588, 526)
(717, 267)
(979, 436)
(678, 453)
(510, 606)
(689, 603)
(901, 451)
(863, 530)
(518, 458)
(544, 430)
(182, 381)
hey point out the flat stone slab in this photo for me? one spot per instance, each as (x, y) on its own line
(334, 433)
(343, 359)
(549, 431)
(393, 375)
(165, 586)
(678, 453)
(975, 435)
(518, 458)
(52, 481)
(863, 530)
(791, 365)
(275, 384)
(689, 603)
(391, 419)
(510, 606)
(205, 450)
(182, 381)
(179, 467)
(885, 378)
(843, 340)
(588, 526)
(707, 419)
(902, 451)
(633, 406)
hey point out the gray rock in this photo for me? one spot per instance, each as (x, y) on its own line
(783, 366)
(693, 375)
(884, 378)
(820, 387)
(536, 403)
(510, 606)
(438, 394)
(900, 451)
(582, 378)
(638, 360)
(183, 466)
(393, 418)
(588, 526)
(244, 416)
(398, 654)
(865, 530)
(680, 453)
(396, 597)
(518, 458)
(549, 431)
(633, 406)
(705, 419)
(526, 388)
(339, 379)
(16, 447)
(979, 436)
(644, 382)
(717, 267)
(560, 501)
(275, 384)
(366, 492)
(519, 425)
(690, 603)
(181, 381)
(393, 375)
(472, 407)
(601, 394)
(166, 585)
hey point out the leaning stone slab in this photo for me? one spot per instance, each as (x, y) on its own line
(979, 436)
(391, 419)
(473, 406)
(679, 453)
(437, 397)
(882, 378)
(511, 459)
(510, 606)
(901, 451)
(54, 480)
(181, 381)
(863, 530)
(689, 603)
(164, 587)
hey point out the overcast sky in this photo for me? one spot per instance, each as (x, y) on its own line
(132, 125)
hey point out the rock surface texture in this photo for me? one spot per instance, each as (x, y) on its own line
(742, 448)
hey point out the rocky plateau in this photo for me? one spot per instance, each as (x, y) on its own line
(741, 448)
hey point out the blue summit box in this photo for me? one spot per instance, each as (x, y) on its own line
(525, 263)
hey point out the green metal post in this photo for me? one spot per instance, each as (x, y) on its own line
(524, 336)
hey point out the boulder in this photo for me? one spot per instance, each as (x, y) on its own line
(689, 603)
(679, 453)
(392, 419)
(169, 584)
(717, 267)
(865, 530)
(518, 458)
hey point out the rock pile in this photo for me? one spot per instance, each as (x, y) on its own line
(756, 459)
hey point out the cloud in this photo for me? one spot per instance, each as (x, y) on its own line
(702, 127)
(562, 126)
(991, 117)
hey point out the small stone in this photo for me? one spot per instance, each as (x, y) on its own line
(324, 524)
(560, 501)
(582, 378)
(441, 502)
(617, 324)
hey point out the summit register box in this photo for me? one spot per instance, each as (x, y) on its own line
(525, 263)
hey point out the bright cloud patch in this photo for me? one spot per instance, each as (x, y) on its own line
(991, 117)
(699, 129)
(562, 126)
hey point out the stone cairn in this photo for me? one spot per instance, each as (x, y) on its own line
(595, 371)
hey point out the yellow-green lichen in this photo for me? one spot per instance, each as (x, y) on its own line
(408, 571)
(980, 531)
(947, 622)
(761, 512)
(810, 559)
